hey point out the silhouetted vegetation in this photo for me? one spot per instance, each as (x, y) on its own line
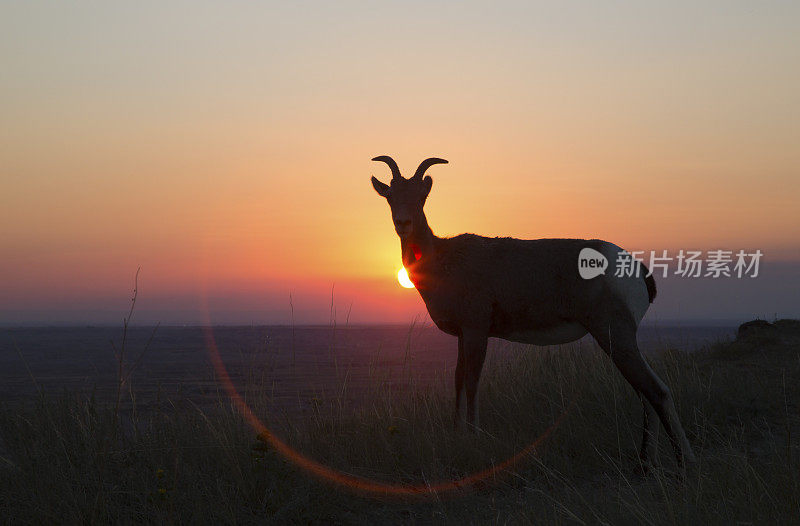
(75, 459)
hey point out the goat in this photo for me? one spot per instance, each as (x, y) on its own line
(526, 291)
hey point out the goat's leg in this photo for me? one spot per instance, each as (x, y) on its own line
(616, 334)
(459, 384)
(643, 379)
(649, 451)
(474, 346)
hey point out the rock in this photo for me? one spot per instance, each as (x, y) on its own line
(788, 326)
(756, 328)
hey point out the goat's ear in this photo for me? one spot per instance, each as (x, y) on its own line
(381, 188)
(427, 183)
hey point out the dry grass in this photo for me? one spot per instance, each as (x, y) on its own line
(74, 460)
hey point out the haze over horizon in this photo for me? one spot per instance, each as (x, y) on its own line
(227, 151)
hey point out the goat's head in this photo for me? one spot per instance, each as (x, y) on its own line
(406, 196)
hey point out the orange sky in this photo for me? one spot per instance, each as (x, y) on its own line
(227, 150)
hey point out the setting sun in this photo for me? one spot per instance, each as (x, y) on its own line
(402, 277)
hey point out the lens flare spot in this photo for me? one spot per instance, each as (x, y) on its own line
(402, 277)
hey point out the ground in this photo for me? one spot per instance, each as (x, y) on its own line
(74, 459)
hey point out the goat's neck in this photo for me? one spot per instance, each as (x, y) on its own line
(420, 241)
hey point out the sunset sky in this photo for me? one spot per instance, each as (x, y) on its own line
(225, 148)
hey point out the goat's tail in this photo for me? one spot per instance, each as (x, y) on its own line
(650, 283)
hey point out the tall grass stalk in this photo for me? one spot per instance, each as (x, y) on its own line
(189, 463)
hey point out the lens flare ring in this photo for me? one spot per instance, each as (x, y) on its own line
(345, 480)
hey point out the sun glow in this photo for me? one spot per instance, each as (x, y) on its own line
(402, 277)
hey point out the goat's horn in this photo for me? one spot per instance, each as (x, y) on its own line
(392, 165)
(427, 163)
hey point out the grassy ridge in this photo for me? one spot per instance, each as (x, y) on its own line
(72, 459)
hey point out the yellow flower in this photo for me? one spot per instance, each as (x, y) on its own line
(160, 473)
(162, 491)
(393, 430)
